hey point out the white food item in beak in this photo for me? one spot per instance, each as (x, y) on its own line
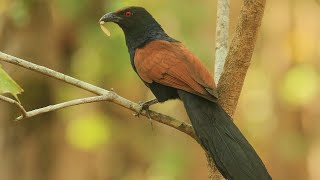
(104, 29)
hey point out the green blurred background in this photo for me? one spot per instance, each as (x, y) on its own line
(278, 111)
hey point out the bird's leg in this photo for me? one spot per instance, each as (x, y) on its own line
(145, 106)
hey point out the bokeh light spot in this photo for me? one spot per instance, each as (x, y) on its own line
(300, 85)
(88, 133)
(168, 164)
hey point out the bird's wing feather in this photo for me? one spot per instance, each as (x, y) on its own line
(173, 65)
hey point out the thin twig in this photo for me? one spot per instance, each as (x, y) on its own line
(55, 107)
(164, 119)
(184, 127)
(17, 104)
(222, 36)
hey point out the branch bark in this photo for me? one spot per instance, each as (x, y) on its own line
(164, 119)
(240, 53)
(222, 37)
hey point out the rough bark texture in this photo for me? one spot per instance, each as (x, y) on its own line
(240, 53)
(237, 62)
(214, 173)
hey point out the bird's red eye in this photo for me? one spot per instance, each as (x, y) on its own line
(128, 13)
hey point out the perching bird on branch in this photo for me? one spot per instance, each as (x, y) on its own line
(171, 71)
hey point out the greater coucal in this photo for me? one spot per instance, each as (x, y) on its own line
(171, 71)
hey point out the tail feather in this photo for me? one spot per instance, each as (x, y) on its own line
(233, 155)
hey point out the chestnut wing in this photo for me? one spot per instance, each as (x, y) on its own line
(173, 65)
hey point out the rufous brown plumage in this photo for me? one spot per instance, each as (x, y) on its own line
(172, 64)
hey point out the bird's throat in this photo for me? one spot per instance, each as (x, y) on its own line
(138, 37)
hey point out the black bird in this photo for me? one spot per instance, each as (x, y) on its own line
(171, 71)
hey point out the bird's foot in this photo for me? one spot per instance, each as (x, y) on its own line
(145, 107)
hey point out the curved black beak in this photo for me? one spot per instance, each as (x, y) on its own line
(109, 17)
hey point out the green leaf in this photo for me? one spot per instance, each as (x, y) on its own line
(8, 85)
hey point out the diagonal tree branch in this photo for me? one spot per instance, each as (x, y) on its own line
(53, 74)
(164, 119)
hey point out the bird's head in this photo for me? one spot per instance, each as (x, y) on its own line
(137, 24)
(130, 18)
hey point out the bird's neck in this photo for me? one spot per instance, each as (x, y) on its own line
(139, 37)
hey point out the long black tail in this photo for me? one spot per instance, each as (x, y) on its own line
(233, 155)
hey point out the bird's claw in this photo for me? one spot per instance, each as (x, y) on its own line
(145, 107)
(136, 114)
